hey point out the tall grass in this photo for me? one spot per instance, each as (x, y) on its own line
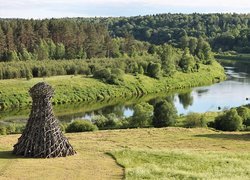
(183, 164)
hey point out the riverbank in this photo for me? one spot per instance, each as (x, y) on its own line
(163, 153)
(234, 57)
(72, 89)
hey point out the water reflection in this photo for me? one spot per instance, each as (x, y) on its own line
(186, 99)
(230, 93)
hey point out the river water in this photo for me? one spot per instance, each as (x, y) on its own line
(233, 92)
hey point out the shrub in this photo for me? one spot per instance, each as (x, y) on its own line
(3, 130)
(142, 116)
(116, 76)
(195, 120)
(244, 113)
(229, 121)
(81, 126)
(165, 114)
(19, 128)
(102, 74)
(103, 122)
(154, 70)
(11, 129)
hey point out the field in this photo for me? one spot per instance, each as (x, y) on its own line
(166, 153)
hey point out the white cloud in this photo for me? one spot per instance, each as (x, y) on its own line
(63, 8)
(200, 3)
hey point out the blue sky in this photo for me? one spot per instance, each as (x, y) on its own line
(91, 8)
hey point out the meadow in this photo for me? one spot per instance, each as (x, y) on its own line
(164, 153)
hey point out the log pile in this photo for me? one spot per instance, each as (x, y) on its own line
(42, 137)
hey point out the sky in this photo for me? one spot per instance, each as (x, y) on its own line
(40, 9)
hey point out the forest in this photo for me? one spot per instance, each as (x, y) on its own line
(225, 32)
(25, 41)
(80, 38)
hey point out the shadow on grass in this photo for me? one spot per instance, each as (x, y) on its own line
(243, 137)
(8, 155)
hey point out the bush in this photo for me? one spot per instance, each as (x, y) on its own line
(3, 130)
(11, 129)
(142, 116)
(103, 122)
(229, 121)
(165, 114)
(102, 74)
(154, 70)
(244, 113)
(81, 126)
(19, 128)
(114, 76)
(195, 120)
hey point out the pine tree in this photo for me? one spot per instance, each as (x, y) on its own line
(60, 51)
(10, 39)
(42, 50)
(2, 43)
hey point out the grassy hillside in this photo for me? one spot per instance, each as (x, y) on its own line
(72, 89)
(166, 153)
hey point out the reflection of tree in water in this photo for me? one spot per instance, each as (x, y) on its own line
(154, 101)
(186, 99)
(239, 66)
(117, 110)
(201, 92)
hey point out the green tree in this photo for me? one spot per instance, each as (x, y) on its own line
(154, 70)
(165, 114)
(25, 56)
(52, 49)
(167, 59)
(116, 76)
(60, 51)
(42, 50)
(193, 45)
(10, 39)
(184, 41)
(187, 61)
(142, 116)
(12, 56)
(229, 121)
(207, 52)
(2, 43)
(244, 113)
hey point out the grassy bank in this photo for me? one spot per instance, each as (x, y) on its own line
(165, 153)
(238, 57)
(72, 89)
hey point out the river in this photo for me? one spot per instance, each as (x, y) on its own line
(233, 92)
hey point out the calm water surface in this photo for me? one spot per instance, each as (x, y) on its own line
(233, 92)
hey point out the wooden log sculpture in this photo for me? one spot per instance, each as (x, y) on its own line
(42, 137)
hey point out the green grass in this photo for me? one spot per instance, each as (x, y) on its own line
(75, 89)
(164, 153)
(183, 164)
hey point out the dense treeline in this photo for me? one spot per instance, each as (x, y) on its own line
(80, 38)
(62, 39)
(164, 60)
(29, 69)
(223, 31)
